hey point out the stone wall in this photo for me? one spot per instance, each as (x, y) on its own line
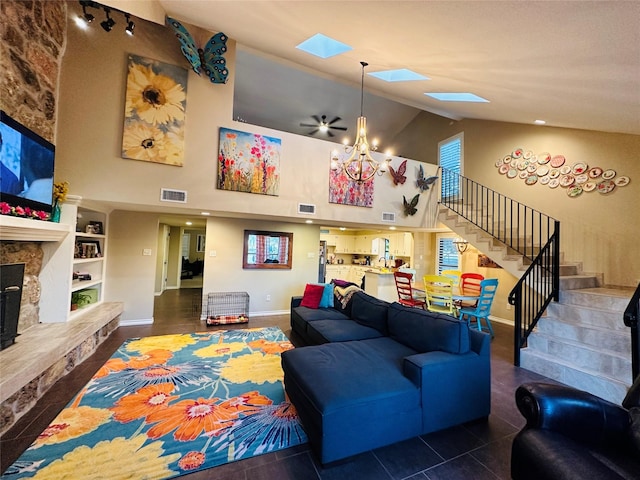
(31, 254)
(33, 34)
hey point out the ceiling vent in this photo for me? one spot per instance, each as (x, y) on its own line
(176, 196)
(306, 208)
(388, 217)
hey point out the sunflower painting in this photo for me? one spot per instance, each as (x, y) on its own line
(248, 162)
(154, 114)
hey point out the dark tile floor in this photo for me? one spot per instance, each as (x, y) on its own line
(478, 450)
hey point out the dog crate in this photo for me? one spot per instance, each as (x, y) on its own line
(224, 308)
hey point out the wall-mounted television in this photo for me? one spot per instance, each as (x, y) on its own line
(27, 165)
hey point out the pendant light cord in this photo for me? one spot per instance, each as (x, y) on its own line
(364, 64)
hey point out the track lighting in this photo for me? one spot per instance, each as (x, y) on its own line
(109, 22)
(130, 24)
(87, 16)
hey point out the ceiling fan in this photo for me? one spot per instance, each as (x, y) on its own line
(322, 125)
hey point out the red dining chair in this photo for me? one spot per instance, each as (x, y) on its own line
(470, 285)
(405, 291)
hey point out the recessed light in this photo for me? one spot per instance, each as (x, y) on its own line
(457, 97)
(400, 75)
(322, 46)
(189, 223)
(205, 213)
(392, 228)
(308, 221)
(342, 229)
(539, 122)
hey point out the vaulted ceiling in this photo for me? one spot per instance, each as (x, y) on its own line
(574, 64)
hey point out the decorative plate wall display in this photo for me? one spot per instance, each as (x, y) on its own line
(557, 161)
(544, 158)
(555, 171)
(567, 180)
(595, 172)
(621, 181)
(574, 191)
(579, 168)
(606, 186)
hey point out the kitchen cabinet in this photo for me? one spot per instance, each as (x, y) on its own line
(340, 272)
(331, 240)
(345, 244)
(401, 244)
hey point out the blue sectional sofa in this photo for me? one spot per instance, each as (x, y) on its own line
(374, 373)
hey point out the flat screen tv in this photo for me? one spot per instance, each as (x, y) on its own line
(27, 163)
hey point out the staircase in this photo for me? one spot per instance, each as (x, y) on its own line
(581, 340)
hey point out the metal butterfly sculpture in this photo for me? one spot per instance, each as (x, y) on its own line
(423, 183)
(209, 59)
(399, 176)
(410, 207)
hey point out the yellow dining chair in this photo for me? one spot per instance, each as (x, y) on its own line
(439, 292)
(455, 276)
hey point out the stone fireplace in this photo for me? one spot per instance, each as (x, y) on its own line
(31, 254)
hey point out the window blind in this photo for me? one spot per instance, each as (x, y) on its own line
(450, 157)
(447, 255)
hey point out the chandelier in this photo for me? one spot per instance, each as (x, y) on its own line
(360, 165)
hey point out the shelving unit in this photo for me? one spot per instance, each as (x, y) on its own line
(86, 245)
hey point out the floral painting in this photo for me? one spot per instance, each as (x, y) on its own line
(248, 162)
(349, 192)
(154, 114)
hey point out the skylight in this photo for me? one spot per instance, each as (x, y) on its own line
(322, 46)
(457, 97)
(399, 75)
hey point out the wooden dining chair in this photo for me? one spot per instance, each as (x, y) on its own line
(455, 276)
(488, 290)
(439, 294)
(405, 291)
(470, 285)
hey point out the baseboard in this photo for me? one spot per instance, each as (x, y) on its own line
(501, 320)
(136, 321)
(269, 313)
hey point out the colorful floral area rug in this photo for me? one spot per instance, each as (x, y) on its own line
(169, 405)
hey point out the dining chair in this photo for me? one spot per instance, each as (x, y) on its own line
(488, 289)
(405, 291)
(439, 294)
(454, 274)
(470, 285)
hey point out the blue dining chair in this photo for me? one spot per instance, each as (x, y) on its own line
(488, 288)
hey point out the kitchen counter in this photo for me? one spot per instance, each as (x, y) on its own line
(381, 285)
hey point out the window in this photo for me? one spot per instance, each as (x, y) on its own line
(450, 156)
(447, 254)
(267, 249)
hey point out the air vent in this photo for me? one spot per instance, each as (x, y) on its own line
(388, 217)
(306, 208)
(177, 196)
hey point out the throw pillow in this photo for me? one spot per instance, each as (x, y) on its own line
(327, 296)
(312, 295)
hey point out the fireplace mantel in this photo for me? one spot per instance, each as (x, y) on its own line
(29, 230)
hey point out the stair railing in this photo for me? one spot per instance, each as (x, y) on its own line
(630, 318)
(526, 232)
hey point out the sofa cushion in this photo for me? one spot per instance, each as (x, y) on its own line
(323, 331)
(369, 311)
(425, 331)
(312, 295)
(634, 429)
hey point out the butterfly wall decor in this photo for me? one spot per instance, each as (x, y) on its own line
(410, 207)
(209, 59)
(399, 175)
(423, 183)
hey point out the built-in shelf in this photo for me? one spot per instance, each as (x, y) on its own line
(81, 284)
(29, 230)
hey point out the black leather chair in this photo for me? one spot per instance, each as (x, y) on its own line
(571, 434)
